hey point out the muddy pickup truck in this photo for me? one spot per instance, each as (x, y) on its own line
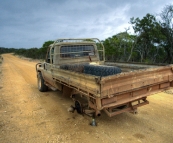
(77, 67)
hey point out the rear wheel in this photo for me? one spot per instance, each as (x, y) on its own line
(40, 82)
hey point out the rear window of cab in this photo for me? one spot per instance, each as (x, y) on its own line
(72, 51)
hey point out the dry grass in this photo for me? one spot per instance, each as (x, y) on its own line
(29, 59)
(0, 63)
(0, 59)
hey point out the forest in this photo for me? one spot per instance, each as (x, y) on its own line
(151, 41)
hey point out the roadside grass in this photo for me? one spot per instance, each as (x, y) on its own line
(0, 63)
(0, 59)
(29, 59)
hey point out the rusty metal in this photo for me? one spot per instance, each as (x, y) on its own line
(130, 108)
(67, 91)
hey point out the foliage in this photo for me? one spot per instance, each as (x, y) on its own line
(167, 30)
(7, 50)
(152, 42)
(35, 53)
(120, 47)
(149, 34)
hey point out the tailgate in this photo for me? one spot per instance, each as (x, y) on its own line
(130, 86)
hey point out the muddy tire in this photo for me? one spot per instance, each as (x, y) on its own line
(40, 82)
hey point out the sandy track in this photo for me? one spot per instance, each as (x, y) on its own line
(27, 115)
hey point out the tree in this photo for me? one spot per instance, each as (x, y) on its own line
(120, 47)
(148, 31)
(43, 50)
(167, 30)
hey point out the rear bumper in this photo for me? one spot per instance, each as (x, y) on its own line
(128, 107)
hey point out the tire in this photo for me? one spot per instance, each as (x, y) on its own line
(40, 82)
(101, 70)
(75, 67)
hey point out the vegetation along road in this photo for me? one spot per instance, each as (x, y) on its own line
(27, 115)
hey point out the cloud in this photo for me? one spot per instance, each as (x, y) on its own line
(30, 23)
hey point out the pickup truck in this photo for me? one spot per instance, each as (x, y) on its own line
(77, 67)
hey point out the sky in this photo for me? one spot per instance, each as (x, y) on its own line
(29, 23)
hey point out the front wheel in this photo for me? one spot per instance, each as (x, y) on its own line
(40, 82)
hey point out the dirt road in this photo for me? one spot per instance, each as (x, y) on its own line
(29, 116)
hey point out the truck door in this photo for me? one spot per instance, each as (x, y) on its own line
(48, 65)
